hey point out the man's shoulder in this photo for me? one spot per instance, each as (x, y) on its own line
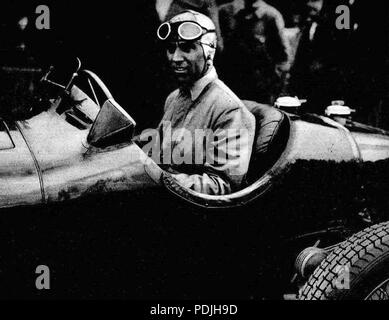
(223, 95)
(225, 100)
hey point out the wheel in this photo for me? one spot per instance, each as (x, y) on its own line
(358, 269)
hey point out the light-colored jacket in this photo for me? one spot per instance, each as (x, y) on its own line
(207, 135)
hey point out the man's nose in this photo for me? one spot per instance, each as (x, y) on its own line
(177, 55)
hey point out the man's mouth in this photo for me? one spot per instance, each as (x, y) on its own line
(179, 69)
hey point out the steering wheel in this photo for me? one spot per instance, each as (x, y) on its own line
(92, 80)
(99, 83)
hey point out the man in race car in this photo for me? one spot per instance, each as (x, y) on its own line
(206, 132)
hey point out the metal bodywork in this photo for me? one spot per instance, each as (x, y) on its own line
(20, 183)
(52, 161)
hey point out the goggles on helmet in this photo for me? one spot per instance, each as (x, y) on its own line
(186, 30)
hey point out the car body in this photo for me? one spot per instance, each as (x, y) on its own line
(47, 158)
(86, 151)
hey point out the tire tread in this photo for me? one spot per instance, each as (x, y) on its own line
(355, 253)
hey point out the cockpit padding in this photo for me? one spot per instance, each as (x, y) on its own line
(271, 136)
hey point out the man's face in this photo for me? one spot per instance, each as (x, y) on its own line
(314, 7)
(186, 61)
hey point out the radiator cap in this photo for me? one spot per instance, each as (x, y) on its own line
(289, 104)
(337, 108)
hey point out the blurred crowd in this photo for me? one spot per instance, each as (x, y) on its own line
(266, 49)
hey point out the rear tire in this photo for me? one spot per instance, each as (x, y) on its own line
(358, 269)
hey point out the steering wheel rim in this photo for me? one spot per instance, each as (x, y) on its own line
(103, 88)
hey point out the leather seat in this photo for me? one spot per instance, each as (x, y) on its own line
(271, 136)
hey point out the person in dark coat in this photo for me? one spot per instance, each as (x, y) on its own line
(315, 74)
(255, 49)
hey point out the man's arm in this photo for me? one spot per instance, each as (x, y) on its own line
(227, 155)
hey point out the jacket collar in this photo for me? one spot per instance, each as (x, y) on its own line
(198, 87)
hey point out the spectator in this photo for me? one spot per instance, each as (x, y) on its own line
(316, 71)
(256, 54)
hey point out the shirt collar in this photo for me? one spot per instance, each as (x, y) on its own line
(198, 87)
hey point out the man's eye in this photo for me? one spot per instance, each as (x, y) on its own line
(186, 47)
(171, 48)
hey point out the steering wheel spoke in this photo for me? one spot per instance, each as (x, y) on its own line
(94, 82)
(94, 93)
